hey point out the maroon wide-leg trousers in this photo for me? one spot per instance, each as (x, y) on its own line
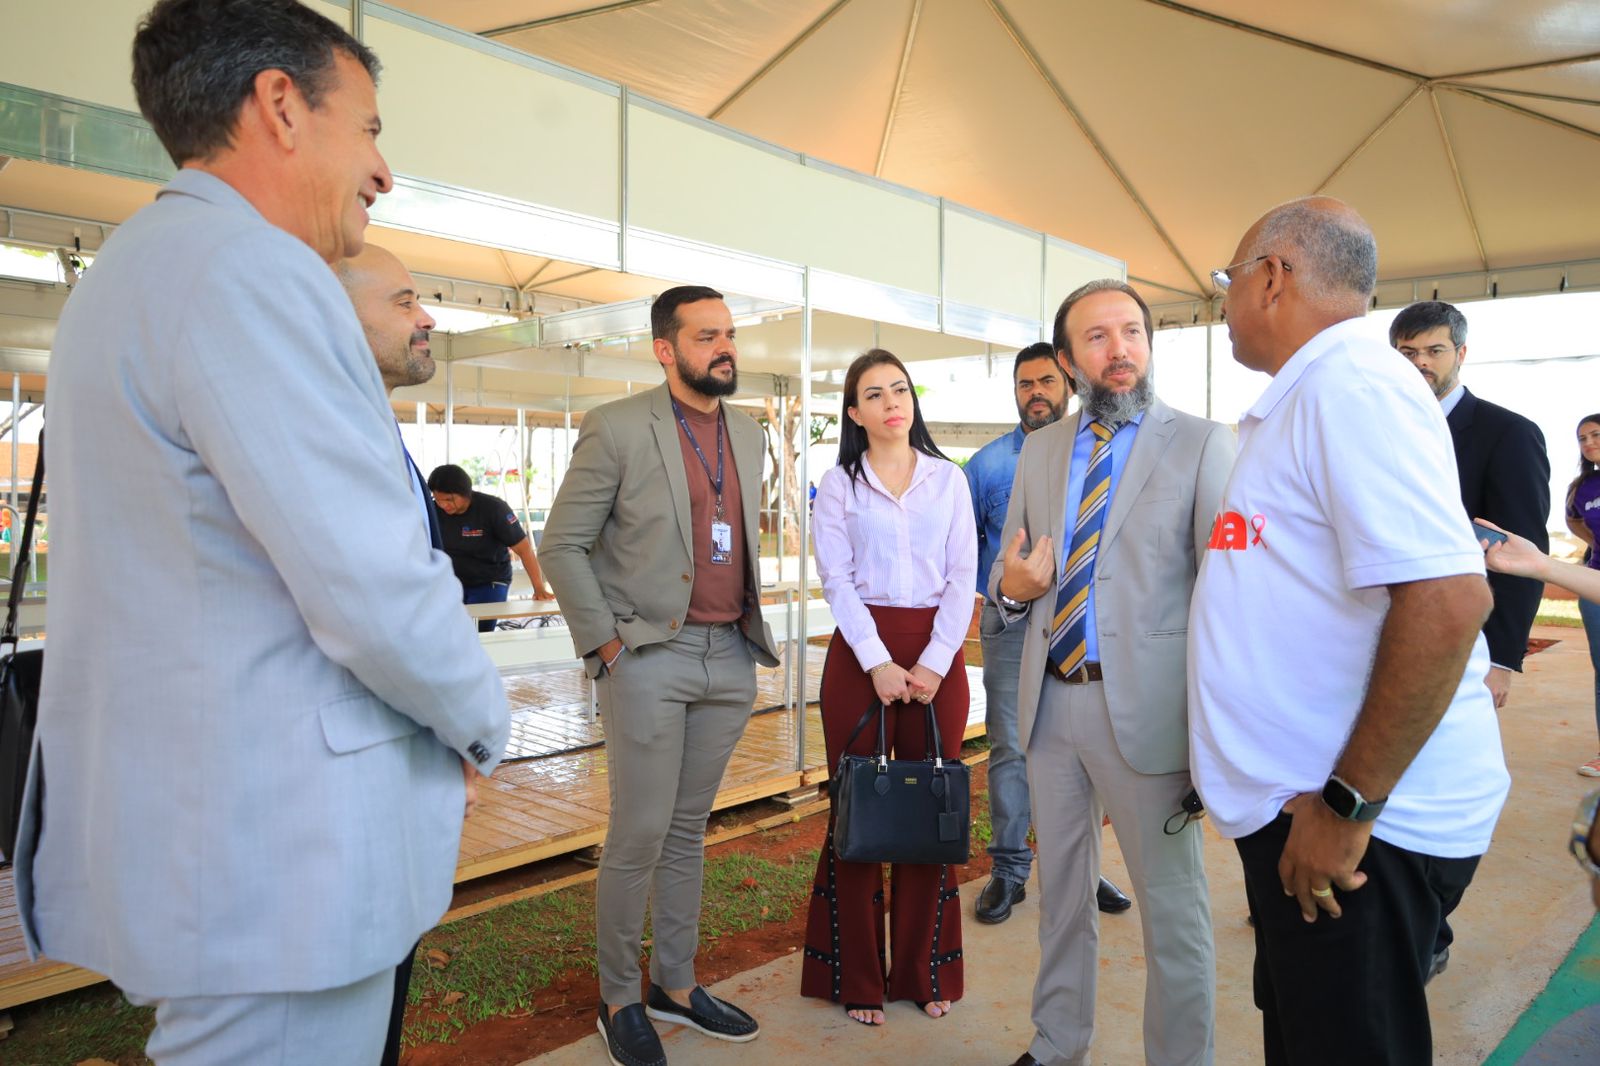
(846, 957)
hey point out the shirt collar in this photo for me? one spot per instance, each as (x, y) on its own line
(1083, 422)
(1288, 375)
(1018, 435)
(1448, 404)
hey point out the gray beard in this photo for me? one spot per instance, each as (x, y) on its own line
(1117, 408)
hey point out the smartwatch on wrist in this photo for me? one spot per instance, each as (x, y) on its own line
(1344, 800)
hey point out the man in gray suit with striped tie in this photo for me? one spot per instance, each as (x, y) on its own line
(1110, 512)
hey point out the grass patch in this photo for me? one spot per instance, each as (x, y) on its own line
(89, 1023)
(744, 891)
(1559, 613)
(499, 960)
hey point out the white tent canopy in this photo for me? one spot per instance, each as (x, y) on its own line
(1467, 134)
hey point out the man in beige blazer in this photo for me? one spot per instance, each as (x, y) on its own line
(652, 548)
(1113, 508)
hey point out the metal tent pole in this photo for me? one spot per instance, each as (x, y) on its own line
(803, 522)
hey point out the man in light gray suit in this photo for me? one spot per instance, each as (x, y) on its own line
(261, 695)
(652, 547)
(1118, 501)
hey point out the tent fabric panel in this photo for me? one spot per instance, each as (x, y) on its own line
(1433, 39)
(835, 87)
(646, 46)
(1514, 170)
(954, 136)
(1416, 235)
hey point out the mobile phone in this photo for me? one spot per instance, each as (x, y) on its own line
(1493, 536)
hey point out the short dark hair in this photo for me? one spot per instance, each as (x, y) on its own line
(1064, 343)
(195, 63)
(1037, 350)
(664, 321)
(450, 478)
(1428, 315)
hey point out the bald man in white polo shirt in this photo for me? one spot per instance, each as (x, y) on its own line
(1341, 732)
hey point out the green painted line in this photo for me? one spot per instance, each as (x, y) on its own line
(1574, 986)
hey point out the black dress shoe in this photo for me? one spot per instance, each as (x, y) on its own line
(1110, 898)
(994, 902)
(630, 1038)
(1440, 961)
(1026, 1060)
(705, 1012)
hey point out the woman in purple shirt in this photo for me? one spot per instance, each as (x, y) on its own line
(897, 551)
(1583, 518)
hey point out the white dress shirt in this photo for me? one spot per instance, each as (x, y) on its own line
(920, 550)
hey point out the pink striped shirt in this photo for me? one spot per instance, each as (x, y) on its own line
(918, 551)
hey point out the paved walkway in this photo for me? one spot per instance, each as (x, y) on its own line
(1518, 923)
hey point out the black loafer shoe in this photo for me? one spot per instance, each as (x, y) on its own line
(1110, 898)
(994, 902)
(630, 1038)
(705, 1012)
(1026, 1060)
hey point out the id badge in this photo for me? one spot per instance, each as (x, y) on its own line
(722, 543)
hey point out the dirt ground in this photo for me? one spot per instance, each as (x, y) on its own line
(565, 1010)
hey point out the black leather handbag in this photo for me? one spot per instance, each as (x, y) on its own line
(19, 684)
(900, 810)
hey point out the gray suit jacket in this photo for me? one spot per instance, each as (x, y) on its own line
(618, 547)
(259, 675)
(1150, 547)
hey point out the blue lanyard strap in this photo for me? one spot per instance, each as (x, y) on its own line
(716, 482)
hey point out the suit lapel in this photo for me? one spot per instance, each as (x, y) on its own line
(1058, 468)
(666, 430)
(1155, 432)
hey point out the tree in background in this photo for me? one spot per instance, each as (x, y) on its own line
(781, 420)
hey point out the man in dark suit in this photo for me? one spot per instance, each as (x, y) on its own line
(1505, 472)
(1505, 477)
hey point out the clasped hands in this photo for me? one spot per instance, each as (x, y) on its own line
(894, 683)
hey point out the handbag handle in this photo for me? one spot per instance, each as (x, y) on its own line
(935, 752)
(18, 574)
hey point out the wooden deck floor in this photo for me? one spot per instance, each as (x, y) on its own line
(551, 802)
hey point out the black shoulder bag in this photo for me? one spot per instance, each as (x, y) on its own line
(900, 810)
(19, 683)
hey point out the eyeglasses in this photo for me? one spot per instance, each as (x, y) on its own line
(1224, 277)
(1436, 351)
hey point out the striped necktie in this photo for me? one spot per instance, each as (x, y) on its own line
(1069, 632)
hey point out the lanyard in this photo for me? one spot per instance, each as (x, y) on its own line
(716, 482)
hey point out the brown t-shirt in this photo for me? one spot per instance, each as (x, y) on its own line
(718, 594)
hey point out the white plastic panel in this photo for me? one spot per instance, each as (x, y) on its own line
(990, 264)
(690, 180)
(1067, 266)
(78, 50)
(460, 116)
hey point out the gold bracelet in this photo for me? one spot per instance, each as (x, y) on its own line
(876, 670)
